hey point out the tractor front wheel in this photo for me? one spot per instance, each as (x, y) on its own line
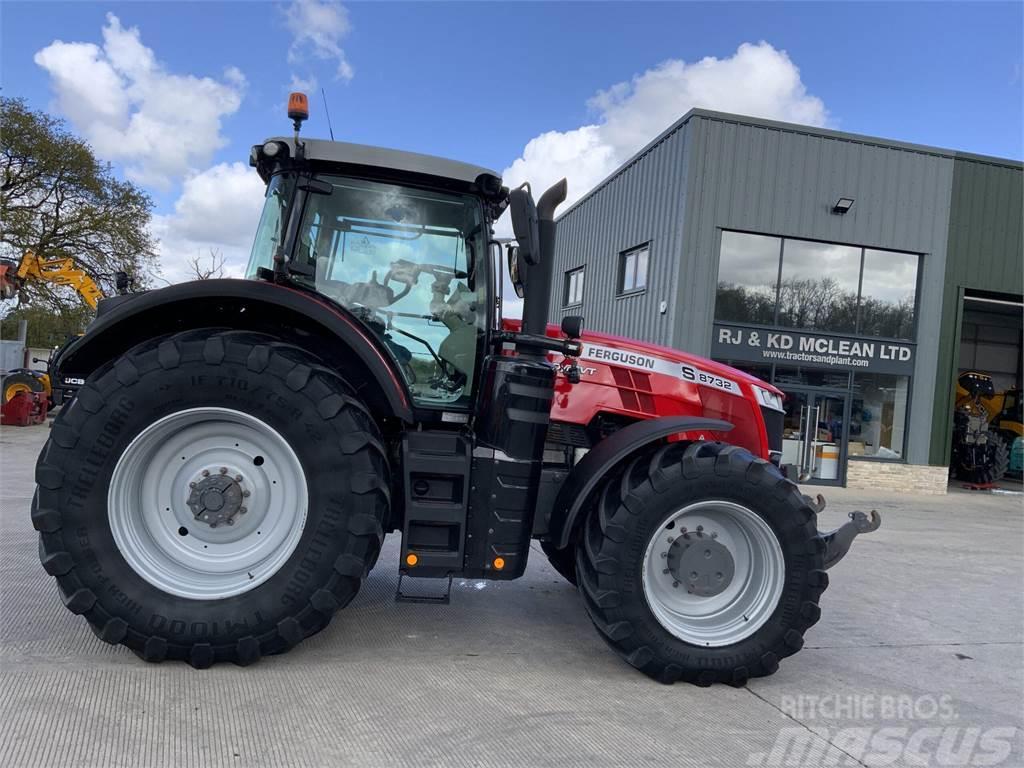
(211, 496)
(701, 563)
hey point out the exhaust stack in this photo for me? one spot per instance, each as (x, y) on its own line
(538, 290)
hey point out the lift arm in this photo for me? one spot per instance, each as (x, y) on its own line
(56, 271)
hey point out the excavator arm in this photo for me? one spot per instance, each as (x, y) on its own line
(56, 271)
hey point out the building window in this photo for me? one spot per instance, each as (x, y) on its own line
(809, 285)
(818, 286)
(887, 295)
(748, 274)
(633, 269)
(573, 293)
(878, 415)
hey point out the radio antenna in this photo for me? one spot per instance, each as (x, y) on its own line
(327, 112)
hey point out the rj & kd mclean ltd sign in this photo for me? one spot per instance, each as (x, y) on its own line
(817, 350)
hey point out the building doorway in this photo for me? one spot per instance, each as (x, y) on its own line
(814, 435)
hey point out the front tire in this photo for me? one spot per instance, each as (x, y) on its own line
(701, 563)
(211, 496)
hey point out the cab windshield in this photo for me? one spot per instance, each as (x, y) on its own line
(408, 263)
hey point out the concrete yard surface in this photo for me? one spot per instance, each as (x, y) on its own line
(917, 660)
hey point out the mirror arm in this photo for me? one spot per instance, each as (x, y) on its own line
(566, 347)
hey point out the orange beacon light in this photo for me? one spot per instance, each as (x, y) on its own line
(298, 107)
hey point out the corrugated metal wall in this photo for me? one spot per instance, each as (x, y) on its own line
(643, 202)
(985, 253)
(777, 181)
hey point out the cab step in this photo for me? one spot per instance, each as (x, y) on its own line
(436, 597)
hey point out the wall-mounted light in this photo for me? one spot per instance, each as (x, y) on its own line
(843, 204)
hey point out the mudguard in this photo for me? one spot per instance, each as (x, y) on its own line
(605, 456)
(227, 303)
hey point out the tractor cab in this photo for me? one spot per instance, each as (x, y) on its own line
(400, 240)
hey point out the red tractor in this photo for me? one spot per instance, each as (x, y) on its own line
(234, 451)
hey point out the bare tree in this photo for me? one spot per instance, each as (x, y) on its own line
(210, 268)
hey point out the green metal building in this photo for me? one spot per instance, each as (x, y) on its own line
(856, 273)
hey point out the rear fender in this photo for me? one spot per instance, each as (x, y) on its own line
(297, 316)
(608, 454)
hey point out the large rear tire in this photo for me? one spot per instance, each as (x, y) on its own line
(211, 496)
(995, 466)
(701, 563)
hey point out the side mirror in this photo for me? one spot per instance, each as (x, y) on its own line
(516, 269)
(572, 326)
(525, 224)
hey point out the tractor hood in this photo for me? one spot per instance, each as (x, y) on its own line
(604, 347)
(610, 350)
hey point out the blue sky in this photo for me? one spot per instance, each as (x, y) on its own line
(480, 82)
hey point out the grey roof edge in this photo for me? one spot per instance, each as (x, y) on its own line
(729, 117)
(381, 157)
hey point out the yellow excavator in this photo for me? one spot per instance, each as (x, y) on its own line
(985, 426)
(13, 277)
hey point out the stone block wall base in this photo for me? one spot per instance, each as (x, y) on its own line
(892, 476)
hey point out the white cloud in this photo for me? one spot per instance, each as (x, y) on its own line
(132, 110)
(305, 84)
(317, 28)
(758, 80)
(218, 210)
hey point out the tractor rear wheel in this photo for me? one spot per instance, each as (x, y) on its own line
(701, 563)
(211, 496)
(995, 463)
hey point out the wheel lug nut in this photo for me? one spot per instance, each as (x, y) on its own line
(238, 478)
(223, 470)
(246, 494)
(670, 539)
(664, 554)
(231, 521)
(206, 473)
(675, 583)
(191, 485)
(243, 510)
(665, 570)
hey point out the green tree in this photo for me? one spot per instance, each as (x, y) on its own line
(46, 328)
(59, 200)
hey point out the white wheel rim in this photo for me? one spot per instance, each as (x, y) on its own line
(162, 470)
(743, 600)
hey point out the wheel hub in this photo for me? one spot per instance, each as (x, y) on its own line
(217, 499)
(701, 564)
(207, 503)
(713, 572)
